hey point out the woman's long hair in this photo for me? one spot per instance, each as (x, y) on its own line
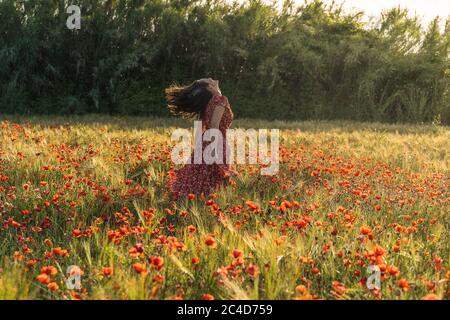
(188, 101)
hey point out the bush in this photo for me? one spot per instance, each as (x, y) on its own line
(308, 62)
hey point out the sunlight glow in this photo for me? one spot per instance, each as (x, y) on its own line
(426, 10)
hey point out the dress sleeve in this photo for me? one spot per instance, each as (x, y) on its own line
(221, 101)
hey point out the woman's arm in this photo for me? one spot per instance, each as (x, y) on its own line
(217, 116)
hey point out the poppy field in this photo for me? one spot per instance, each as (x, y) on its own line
(91, 192)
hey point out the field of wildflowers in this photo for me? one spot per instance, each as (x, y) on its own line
(91, 192)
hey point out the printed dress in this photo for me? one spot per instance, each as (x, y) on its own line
(205, 178)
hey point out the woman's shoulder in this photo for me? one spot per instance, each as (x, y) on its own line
(220, 99)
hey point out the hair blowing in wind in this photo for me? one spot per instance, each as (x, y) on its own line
(188, 101)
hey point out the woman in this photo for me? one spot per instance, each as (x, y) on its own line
(202, 100)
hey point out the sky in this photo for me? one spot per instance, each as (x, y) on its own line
(427, 10)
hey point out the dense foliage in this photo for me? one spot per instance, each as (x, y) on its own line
(308, 62)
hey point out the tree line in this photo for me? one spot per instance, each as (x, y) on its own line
(309, 61)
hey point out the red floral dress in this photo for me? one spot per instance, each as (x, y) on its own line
(205, 178)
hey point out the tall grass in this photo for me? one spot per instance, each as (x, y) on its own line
(334, 179)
